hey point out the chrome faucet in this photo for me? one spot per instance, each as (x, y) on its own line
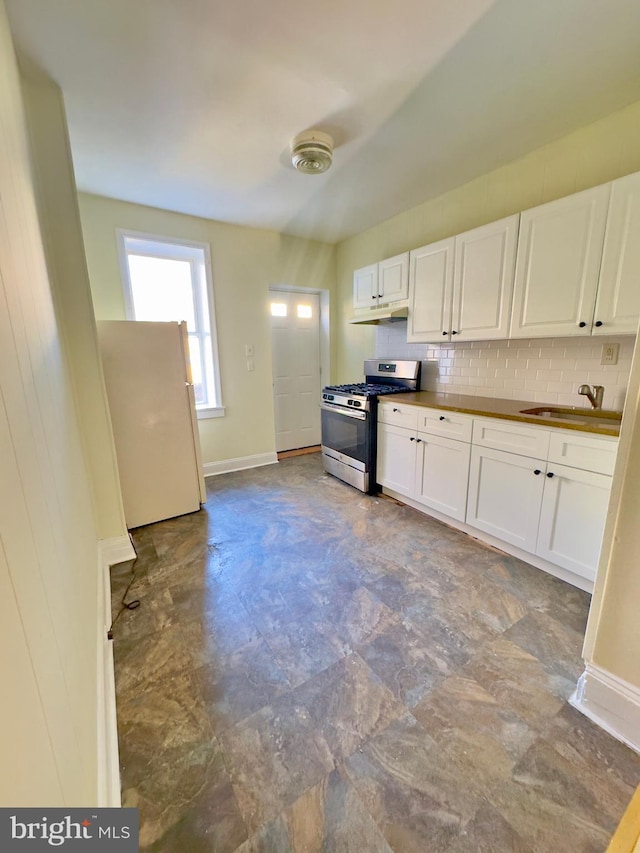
(593, 394)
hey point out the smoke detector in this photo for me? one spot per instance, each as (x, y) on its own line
(312, 152)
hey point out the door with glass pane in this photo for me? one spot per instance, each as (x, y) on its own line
(295, 335)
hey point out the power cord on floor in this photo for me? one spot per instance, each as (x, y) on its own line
(126, 605)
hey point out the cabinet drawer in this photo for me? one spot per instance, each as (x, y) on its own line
(589, 452)
(447, 424)
(514, 438)
(398, 414)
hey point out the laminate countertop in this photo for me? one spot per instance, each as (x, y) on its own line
(496, 407)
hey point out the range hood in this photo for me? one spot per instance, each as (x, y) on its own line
(381, 314)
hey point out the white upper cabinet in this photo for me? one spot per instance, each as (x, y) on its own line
(387, 281)
(618, 301)
(393, 278)
(484, 267)
(431, 291)
(461, 288)
(558, 264)
(365, 287)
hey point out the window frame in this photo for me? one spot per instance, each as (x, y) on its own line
(202, 411)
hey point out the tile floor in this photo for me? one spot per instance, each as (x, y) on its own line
(312, 669)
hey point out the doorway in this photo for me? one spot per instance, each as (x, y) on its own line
(295, 336)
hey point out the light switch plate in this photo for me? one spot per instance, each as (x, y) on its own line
(610, 353)
(248, 350)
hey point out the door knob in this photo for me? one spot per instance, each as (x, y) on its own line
(550, 474)
(442, 417)
(582, 324)
(412, 438)
(537, 471)
(598, 323)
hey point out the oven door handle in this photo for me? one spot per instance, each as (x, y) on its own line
(348, 413)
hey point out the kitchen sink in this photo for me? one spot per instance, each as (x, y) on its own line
(599, 417)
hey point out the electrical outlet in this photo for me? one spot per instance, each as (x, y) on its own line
(610, 353)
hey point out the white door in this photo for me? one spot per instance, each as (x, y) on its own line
(485, 260)
(430, 292)
(557, 266)
(618, 302)
(295, 336)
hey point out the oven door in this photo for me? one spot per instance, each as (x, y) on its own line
(348, 445)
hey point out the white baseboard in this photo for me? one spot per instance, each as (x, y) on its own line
(611, 703)
(116, 550)
(240, 463)
(110, 552)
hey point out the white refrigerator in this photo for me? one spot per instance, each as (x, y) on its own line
(152, 405)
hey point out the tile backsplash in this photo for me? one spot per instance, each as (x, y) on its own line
(544, 370)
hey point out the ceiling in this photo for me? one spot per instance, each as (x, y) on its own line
(190, 105)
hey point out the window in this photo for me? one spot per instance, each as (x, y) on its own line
(278, 309)
(166, 280)
(304, 312)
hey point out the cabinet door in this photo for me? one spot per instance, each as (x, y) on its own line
(431, 291)
(557, 266)
(574, 509)
(393, 278)
(484, 268)
(618, 302)
(396, 461)
(442, 474)
(505, 495)
(365, 287)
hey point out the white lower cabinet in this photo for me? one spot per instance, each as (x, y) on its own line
(505, 493)
(551, 510)
(537, 503)
(430, 469)
(574, 510)
(442, 474)
(396, 466)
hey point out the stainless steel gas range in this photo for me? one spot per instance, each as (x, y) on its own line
(350, 417)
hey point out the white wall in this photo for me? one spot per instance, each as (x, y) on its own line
(539, 370)
(60, 223)
(48, 538)
(245, 262)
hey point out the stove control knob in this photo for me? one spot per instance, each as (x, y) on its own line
(349, 402)
(356, 403)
